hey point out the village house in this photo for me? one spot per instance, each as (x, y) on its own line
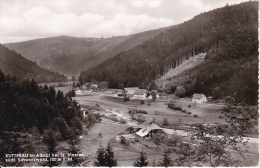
(140, 94)
(150, 130)
(130, 91)
(79, 92)
(94, 87)
(199, 98)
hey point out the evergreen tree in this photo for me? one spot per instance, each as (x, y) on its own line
(109, 155)
(101, 159)
(166, 160)
(74, 149)
(105, 157)
(50, 141)
(141, 161)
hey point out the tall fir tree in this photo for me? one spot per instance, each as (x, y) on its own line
(141, 161)
(166, 160)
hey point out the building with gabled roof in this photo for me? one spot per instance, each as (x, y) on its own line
(130, 91)
(140, 94)
(149, 130)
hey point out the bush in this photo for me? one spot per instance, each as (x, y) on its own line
(174, 140)
(183, 110)
(130, 129)
(133, 111)
(165, 122)
(174, 107)
(113, 118)
(126, 99)
(189, 112)
(216, 93)
(141, 111)
(180, 91)
(189, 105)
(142, 101)
(195, 116)
(122, 121)
(124, 141)
(140, 118)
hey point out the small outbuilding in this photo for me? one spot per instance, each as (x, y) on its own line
(199, 98)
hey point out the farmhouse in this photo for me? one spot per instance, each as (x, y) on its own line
(199, 98)
(140, 94)
(94, 87)
(130, 91)
(149, 130)
(78, 92)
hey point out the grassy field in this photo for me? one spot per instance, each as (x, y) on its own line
(158, 110)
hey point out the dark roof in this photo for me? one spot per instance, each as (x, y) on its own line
(131, 90)
(140, 91)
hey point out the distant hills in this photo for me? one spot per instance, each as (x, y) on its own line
(229, 36)
(14, 64)
(73, 54)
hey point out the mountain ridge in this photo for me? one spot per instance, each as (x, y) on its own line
(228, 35)
(16, 65)
(68, 54)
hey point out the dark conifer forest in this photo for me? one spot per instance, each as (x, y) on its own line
(14, 64)
(26, 108)
(228, 35)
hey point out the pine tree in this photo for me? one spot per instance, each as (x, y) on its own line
(76, 161)
(109, 155)
(101, 160)
(50, 141)
(141, 161)
(105, 157)
(166, 161)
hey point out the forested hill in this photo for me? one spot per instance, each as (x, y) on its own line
(229, 36)
(14, 64)
(72, 55)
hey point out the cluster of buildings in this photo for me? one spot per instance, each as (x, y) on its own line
(134, 93)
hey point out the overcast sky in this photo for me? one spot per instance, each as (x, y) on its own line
(22, 20)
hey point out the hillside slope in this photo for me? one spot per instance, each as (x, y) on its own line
(229, 37)
(14, 64)
(72, 54)
(186, 65)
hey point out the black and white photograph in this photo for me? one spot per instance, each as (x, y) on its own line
(129, 83)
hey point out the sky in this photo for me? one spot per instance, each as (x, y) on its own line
(22, 20)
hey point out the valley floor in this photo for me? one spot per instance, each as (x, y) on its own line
(157, 110)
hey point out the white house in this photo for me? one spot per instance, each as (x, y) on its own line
(94, 87)
(199, 98)
(79, 92)
(140, 94)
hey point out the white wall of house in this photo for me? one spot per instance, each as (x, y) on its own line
(201, 100)
(143, 96)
